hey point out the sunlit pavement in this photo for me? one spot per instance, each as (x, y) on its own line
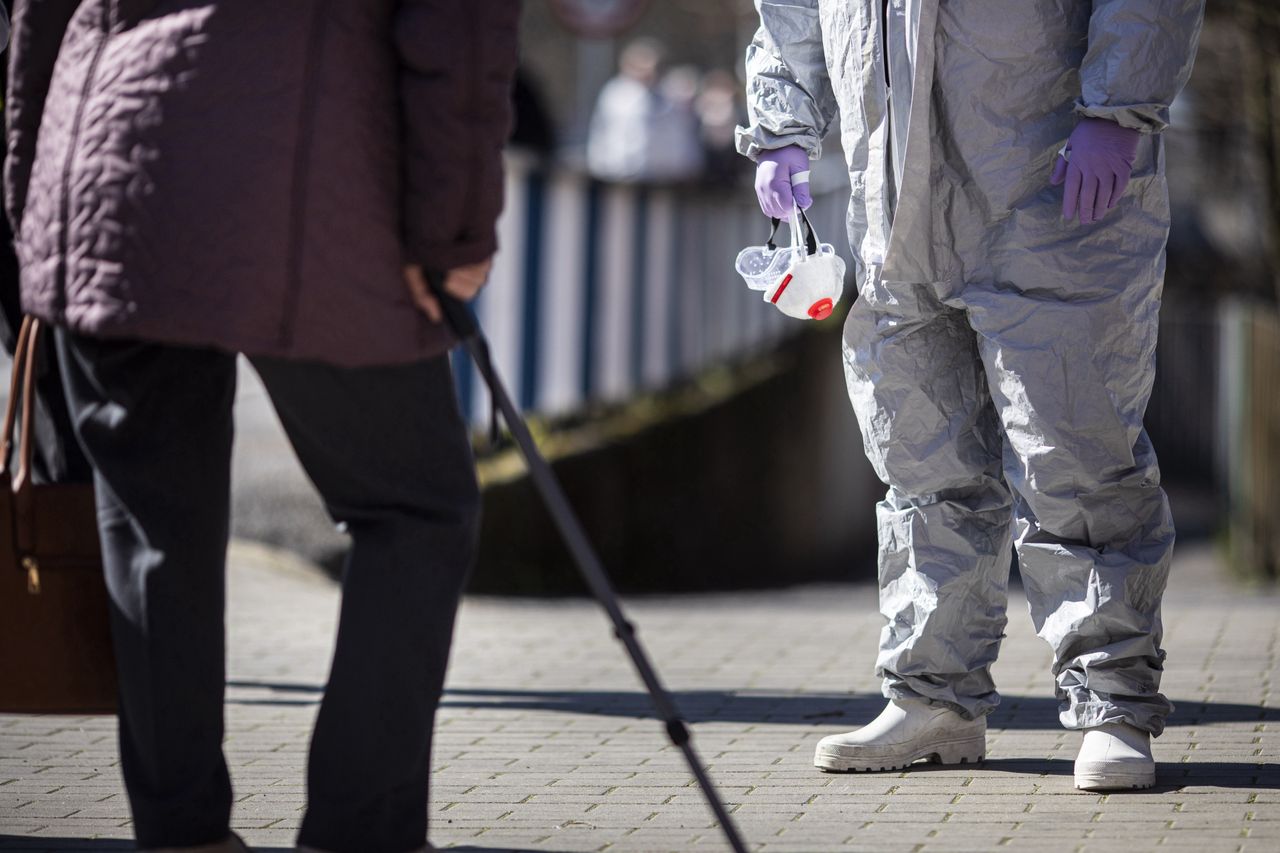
(544, 741)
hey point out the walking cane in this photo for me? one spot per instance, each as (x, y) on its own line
(464, 325)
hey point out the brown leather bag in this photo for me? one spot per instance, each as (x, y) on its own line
(55, 637)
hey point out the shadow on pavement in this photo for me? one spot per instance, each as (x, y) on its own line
(1016, 713)
(1170, 777)
(28, 844)
(743, 706)
(1214, 774)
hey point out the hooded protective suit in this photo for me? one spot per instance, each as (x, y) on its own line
(999, 358)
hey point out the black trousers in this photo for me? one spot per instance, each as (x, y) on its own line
(387, 449)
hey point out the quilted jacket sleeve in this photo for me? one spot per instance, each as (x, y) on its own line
(38, 28)
(789, 96)
(457, 66)
(1140, 56)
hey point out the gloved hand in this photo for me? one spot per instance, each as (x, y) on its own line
(1096, 172)
(782, 179)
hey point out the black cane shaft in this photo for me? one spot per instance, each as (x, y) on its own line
(544, 480)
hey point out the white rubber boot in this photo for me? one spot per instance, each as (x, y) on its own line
(906, 731)
(1115, 756)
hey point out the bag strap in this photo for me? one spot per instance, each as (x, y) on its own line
(810, 239)
(22, 387)
(16, 376)
(26, 438)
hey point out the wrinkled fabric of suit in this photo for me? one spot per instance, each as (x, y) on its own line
(999, 358)
(254, 175)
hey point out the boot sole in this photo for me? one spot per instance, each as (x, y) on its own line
(1115, 781)
(968, 750)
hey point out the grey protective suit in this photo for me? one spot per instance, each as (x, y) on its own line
(999, 358)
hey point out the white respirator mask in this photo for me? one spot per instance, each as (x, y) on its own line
(804, 280)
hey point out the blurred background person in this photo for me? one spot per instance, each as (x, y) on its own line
(622, 137)
(675, 153)
(534, 131)
(720, 110)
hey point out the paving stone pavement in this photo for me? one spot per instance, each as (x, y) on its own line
(544, 741)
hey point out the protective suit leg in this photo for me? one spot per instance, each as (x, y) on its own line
(929, 428)
(1068, 341)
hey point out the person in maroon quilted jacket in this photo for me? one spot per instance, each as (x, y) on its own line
(192, 179)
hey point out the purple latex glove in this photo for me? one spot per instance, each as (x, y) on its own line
(1101, 155)
(782, 180)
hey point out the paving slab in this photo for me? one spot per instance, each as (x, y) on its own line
(545, 742)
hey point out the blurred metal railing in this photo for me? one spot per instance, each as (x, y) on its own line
(1251, 436)
(1184, 417)
(602, 291)
(1215, 418)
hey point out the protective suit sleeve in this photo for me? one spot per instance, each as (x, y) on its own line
(1139, 58)
(38, 28)
(789, 96)
(457, 69)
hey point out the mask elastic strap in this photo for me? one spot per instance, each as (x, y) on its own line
(810, 239)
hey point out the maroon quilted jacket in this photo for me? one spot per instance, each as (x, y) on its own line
(253, 174)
